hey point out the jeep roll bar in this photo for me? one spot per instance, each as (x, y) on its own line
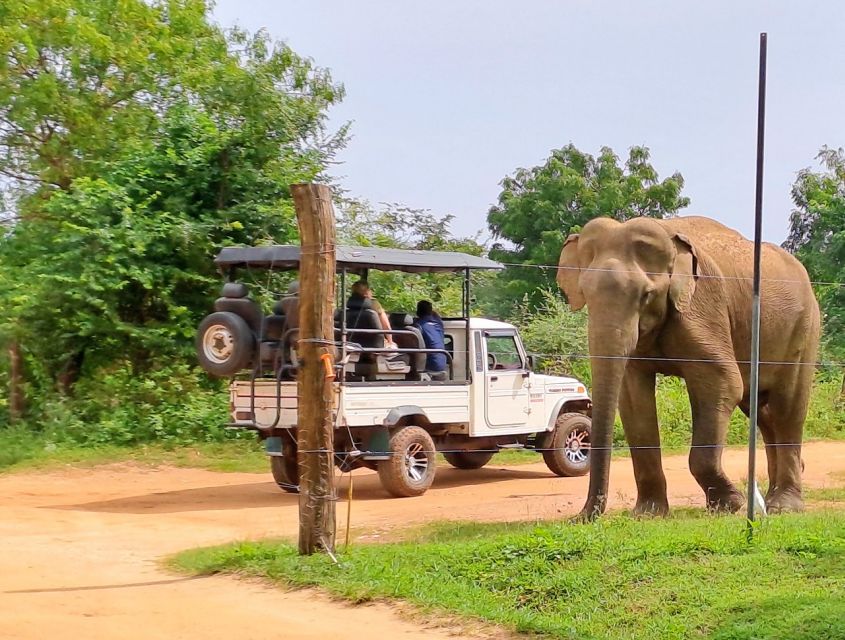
(359, 260)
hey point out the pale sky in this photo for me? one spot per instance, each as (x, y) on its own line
(448, 97)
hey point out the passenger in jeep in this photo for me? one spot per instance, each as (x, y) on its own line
(362, 298)
(431, 327)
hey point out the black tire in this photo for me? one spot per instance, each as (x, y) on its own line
(285, 468)
(225, 344)
(568, 453)
(410, 470)
(468, 459)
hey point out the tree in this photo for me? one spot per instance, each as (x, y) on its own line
(538, 207)
(817, 238)
(136, 138)
(80, 78)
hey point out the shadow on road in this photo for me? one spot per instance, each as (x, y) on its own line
(258, 495)
(99, 587)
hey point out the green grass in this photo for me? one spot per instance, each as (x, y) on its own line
(689, 576)
(21, 450)
(827, 494)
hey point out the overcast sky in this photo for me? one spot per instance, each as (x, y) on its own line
(448, 97)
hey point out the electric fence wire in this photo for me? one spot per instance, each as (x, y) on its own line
(584, 356)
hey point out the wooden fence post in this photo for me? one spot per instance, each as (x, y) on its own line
(315, 388)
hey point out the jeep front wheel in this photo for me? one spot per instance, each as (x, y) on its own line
(411, 467)
(568, 451)
(468, 459)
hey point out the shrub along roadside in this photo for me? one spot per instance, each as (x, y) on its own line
(118, 411)
(686, 576)
(20, 450)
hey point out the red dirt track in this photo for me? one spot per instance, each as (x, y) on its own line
(80, 549)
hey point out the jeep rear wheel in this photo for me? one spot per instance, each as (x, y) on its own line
(411, 467)
(568, 450)
(468, 459)
(285, 468)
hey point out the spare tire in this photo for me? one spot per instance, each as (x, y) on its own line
(225, 344)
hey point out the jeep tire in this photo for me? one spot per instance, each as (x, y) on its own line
(225, 344)
(411, 467)
(567, 451)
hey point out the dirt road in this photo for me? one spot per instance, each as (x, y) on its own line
(79, 548)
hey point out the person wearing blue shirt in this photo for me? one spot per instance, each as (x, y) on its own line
(431, 327)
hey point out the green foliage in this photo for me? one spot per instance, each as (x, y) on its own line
(540, 206)
(174, 404)
(80, 78)
(557, 336)
(617, 578)
(22, 449)
(136, 139)
(817, 238)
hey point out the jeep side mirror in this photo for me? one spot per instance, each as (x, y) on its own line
(532, 362)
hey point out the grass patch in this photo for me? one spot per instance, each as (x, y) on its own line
(687, 576)
(828, 494)
(22, 450)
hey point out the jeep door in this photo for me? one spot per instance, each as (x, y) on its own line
(507, 380)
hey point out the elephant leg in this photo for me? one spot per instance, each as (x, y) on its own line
(767, 430)
(638, 409)
(714, 394)
(788, 404)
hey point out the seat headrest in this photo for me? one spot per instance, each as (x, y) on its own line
(234, 290)
(279, 308)
(400, 320)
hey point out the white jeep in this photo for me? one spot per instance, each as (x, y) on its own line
(389, 415)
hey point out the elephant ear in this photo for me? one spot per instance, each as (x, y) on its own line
(569, 272)
(684, 273)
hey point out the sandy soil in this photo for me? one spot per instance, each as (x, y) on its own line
(80, 548)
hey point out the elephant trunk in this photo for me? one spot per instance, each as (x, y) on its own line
(609, 350)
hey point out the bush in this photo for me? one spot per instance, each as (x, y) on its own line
(557, 336)
(174, 405)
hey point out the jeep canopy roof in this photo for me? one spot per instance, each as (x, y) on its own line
(286, 257)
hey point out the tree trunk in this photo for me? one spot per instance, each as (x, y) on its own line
(69, 375)
(842, 389)
(16, 393)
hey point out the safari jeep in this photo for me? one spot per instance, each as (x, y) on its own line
(390, 415)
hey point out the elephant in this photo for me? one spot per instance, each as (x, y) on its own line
(674, 297)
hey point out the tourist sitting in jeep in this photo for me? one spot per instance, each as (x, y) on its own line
(431, 327)
(361, 299)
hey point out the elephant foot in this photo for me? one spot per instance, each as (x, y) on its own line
(785, 501)
(593, 508)
(651, 507)
(727, 501)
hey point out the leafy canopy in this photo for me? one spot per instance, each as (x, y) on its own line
(817, 238)
(538, 207)
(136, 138)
